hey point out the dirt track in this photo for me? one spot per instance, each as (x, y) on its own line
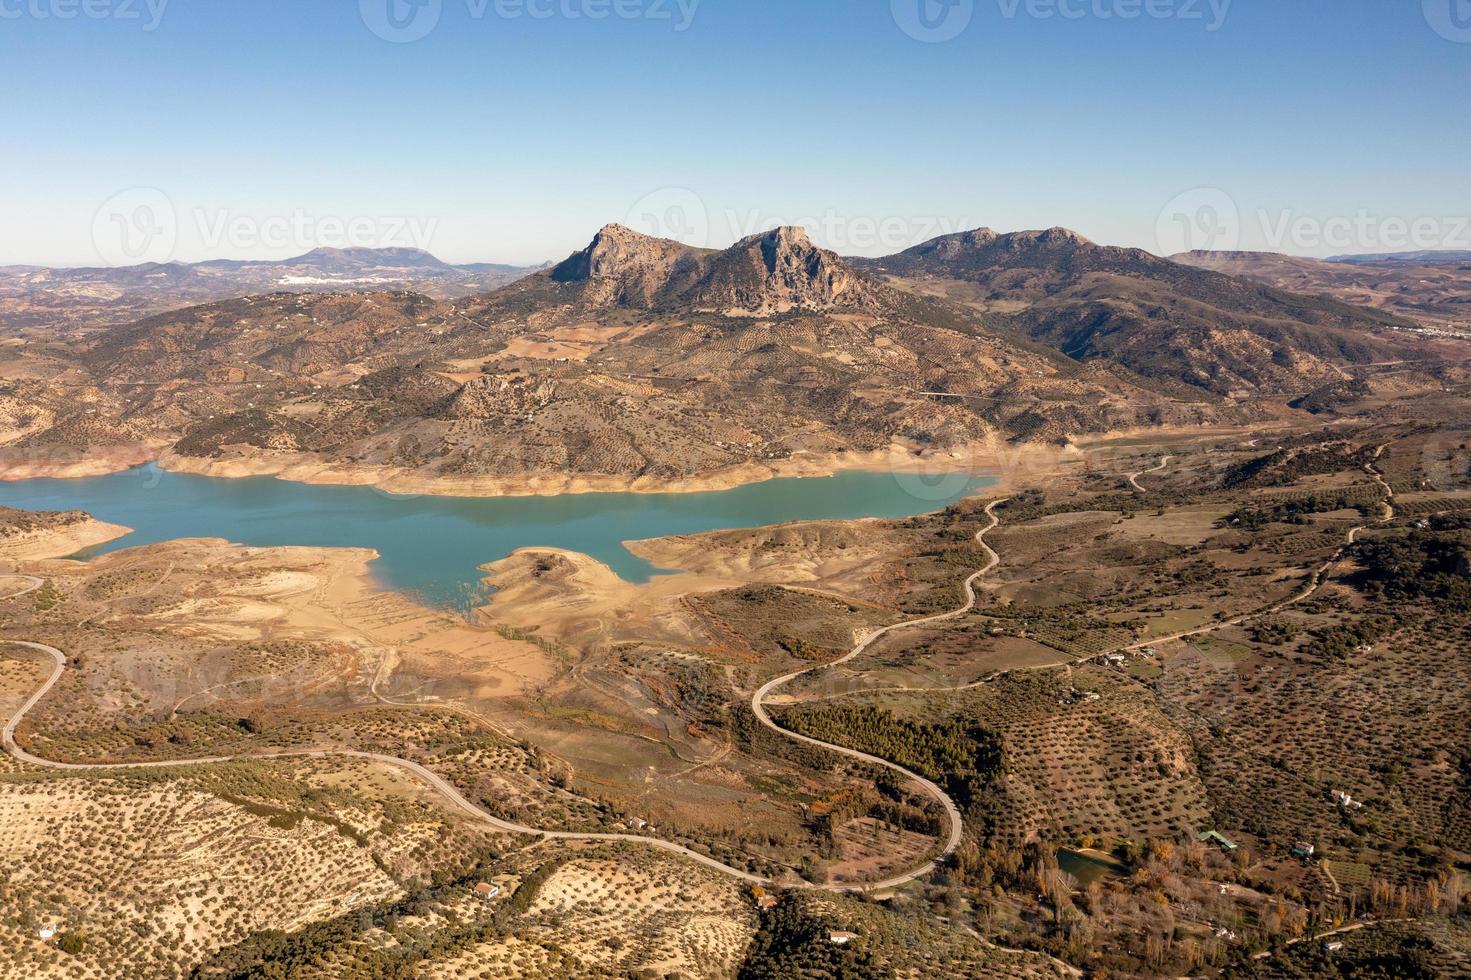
(465, 806)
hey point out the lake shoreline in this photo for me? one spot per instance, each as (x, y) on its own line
(60, 542)
(979, 459)
(436, 545)
(400, 481)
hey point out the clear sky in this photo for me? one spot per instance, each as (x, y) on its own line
(513, 129)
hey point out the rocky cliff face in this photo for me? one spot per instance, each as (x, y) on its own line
(624, 268)
(773, 272)
(778, 271)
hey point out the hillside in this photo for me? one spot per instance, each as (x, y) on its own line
(648, 363)
(1162, 319)
(1432, 289)
(635, 361)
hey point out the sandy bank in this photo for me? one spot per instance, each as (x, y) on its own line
(16, 466)
(981, 459)
(59, 542)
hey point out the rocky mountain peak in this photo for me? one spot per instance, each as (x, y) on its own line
(624, 267)
(781, 270)
(950, 246)
(771, 272)
(1051, 236)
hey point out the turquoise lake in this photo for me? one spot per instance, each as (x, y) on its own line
(433, 546)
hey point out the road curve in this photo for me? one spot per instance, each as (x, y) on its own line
(1134, 477)
(469, 809)
(758, 706)
(1315, 581)
(438, 783)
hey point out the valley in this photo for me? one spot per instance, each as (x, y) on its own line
(665, 490)
(1039, 592)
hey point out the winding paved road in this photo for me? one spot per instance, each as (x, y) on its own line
(1134, 477)
(758, 705)
(438, 783)
(465, 806)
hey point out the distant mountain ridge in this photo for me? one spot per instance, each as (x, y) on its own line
(645, 359)
(1423, 257)
(1435, 294)
(90, 297)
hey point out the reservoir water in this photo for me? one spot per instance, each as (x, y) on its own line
(433, 546)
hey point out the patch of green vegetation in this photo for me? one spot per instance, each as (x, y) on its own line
(963, 757)
(1432, 563)
(1255, 516)
(1286, 466)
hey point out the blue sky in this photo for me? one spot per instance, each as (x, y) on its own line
(264, 127)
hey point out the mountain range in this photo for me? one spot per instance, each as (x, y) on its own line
(643, 359)
(1159, 318)
(66, 300)
(1431, 288)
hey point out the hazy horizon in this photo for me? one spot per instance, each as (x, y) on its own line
(552, 260)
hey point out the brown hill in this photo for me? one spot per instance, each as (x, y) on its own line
(1156, 317)
(635, 358)
(646, 358)
(1434, 291)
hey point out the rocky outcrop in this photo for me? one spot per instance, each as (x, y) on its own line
(624, 268)
(493, 397)
(774, 272)
(779, 271)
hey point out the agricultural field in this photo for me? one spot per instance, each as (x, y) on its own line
(1204, 652)
(148, 874)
